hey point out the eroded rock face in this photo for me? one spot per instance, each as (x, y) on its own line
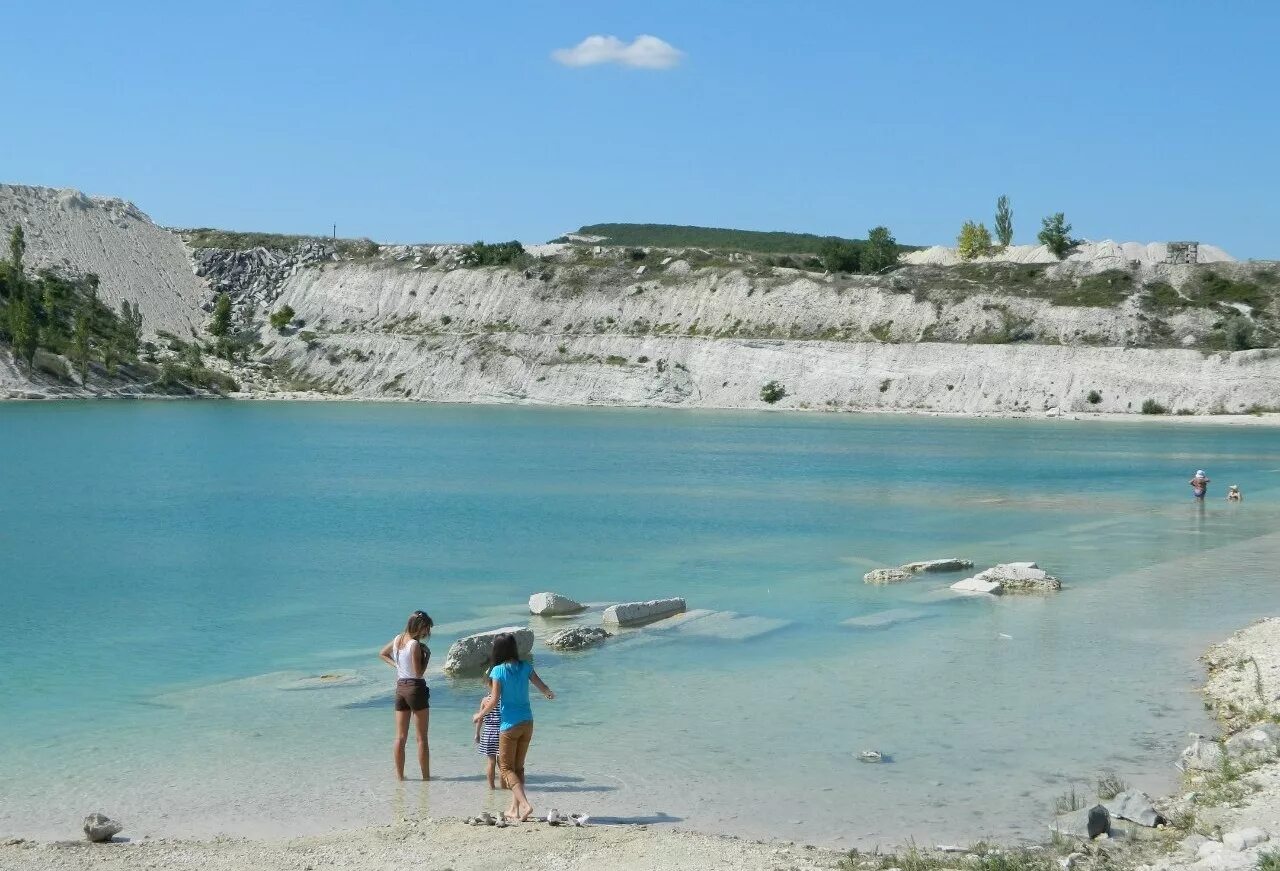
(100, 827)
(553, 605)
(578, 638)
(470, 655)
(639, 613)
(949, 564)
(886, 576)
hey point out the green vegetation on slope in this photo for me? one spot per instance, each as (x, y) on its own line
(233, 240)
(754, 241)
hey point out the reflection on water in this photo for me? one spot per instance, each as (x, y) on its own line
(215, 562)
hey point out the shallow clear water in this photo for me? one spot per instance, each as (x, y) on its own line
(172, 572)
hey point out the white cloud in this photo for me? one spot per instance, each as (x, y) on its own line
(645, 52)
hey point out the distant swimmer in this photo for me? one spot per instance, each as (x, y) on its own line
(1199, 484)
(1234, 494)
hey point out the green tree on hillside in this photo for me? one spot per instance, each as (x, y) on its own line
(280, 317)
(23, 328)
(80, 345)
(881, 250)
(221, 322)
(974, 241)
(839, 255)
(1055, 234)
(17, 247)
(1004, 222)
(130, 329)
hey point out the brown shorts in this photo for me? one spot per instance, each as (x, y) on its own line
(412, 694)
(513, 746)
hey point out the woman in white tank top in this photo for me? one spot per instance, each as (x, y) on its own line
(409, 657)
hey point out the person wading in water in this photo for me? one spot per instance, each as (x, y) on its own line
(409, 657)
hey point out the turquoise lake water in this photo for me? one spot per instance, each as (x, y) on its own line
(174, 573)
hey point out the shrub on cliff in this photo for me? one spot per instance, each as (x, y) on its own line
(1150, 406)
(1055, 234)
(772, 392)
(497, 254)
(881, 250)
(839, 255)
(974, 241)
(281, 317)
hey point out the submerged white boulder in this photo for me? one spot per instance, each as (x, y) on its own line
(978, 585)
(470, 655)
(639, 613)
(553, 605)
(949, 564)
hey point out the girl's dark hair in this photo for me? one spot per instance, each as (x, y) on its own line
(505, 649)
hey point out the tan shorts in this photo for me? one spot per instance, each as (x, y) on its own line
(513, 746)
(412, 694)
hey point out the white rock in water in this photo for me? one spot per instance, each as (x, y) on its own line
(100, 827)
(470, 655)
(950, 564)
(639, 613)
(977, 585)
(553, 605)
(1242, 839)
(886, 576)
(1020, 577)
(577, 637)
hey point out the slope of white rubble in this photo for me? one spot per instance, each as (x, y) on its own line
(133, 258)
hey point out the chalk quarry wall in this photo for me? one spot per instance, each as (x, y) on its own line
(712, 339)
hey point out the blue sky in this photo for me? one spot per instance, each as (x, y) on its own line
(428, 121)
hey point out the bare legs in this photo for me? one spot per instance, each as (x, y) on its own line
(513, 746)
(421, 719)
(402, 735)
(490, 767)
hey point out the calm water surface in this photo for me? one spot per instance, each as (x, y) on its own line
(173, 573)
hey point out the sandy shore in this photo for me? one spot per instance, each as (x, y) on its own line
(435, 845)
(1243, 689)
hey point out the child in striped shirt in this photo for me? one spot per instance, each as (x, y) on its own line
(487, 738)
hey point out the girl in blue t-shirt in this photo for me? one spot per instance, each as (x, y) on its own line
(510, 677)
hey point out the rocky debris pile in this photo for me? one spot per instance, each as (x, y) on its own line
(578, 638)
(1024, 577)
(256, 276)
(553, 605)
(640, 613)
(99, 827)
(470, 655)
(948, 564)
(886, 576)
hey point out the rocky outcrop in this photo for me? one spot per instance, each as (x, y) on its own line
(100, 827)
(886, 576)
(949, 564)
(1202, 755)
(640, 613)
(553, 605)
(577, 638)
(253, 278)
(470, 655)
(1024, 577)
